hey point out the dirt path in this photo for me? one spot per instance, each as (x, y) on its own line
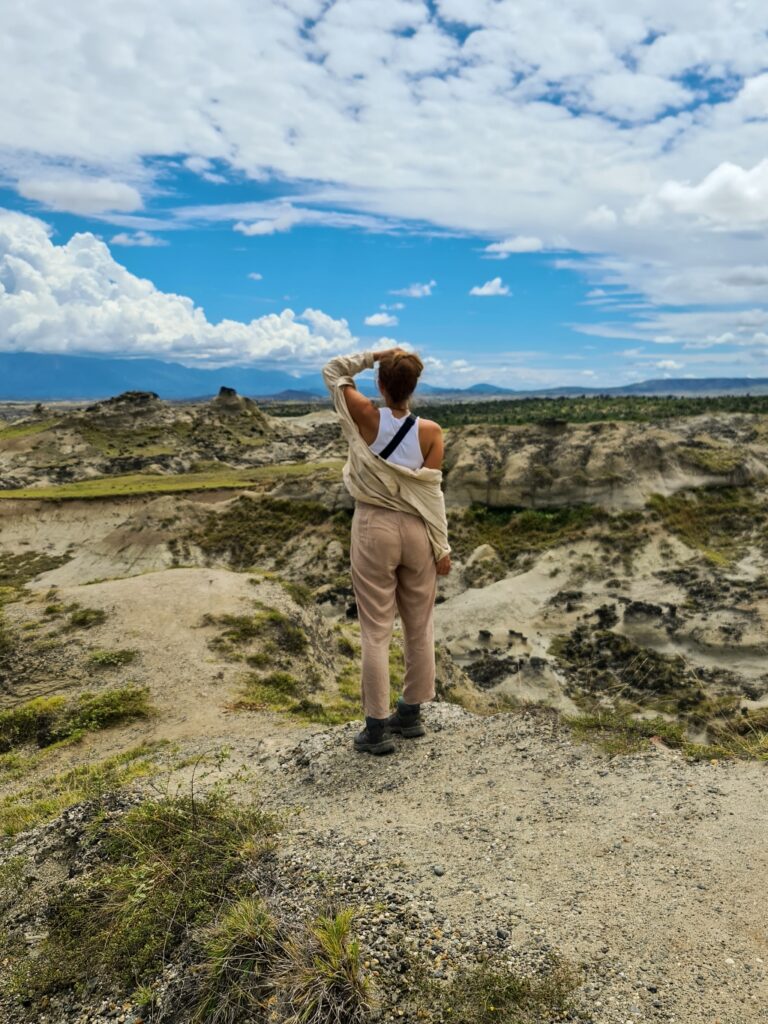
(648, 870)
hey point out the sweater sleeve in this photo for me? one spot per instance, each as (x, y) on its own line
(340, 371)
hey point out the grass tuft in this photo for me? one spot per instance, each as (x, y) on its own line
(325, 982)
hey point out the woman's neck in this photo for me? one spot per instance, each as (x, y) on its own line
(397, 408)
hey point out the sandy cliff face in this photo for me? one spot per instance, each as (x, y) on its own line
(615, 465)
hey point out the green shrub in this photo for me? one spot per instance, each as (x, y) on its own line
(112, 659)
(86, 618)
(165, 866)
(48, 720)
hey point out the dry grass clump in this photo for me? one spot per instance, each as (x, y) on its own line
(54, 793)
(323, 981)
(162, 867)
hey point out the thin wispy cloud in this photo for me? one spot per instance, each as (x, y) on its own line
(503, 250)
(416, 291)
(142, 239)
(493, 287)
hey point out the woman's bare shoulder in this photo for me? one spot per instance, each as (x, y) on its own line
(429, 428)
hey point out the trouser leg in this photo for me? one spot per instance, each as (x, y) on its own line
(374, 555)
(415, 597)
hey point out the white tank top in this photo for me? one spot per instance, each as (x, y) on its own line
(408, 452)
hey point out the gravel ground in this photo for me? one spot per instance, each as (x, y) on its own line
(499, 837)
(647, 871)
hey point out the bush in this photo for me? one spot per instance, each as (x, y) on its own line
(165, 866)
(47, 720)
(112, 659)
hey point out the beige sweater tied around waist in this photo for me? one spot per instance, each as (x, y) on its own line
(370, 478)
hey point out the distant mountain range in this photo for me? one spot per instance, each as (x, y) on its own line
(29, 376)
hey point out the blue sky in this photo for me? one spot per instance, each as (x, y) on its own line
(602, 188)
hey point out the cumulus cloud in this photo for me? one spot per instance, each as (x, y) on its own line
(669, 364)
(416, 291)
(75, 298)
(81, 195)
(729, 196)
(254, 276)
(142, 239)
(650, 120)
(493, 287)
(522, 243)
(381, 320)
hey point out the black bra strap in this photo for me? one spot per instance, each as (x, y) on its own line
(385, 452)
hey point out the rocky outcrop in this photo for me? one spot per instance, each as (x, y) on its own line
(612, 464)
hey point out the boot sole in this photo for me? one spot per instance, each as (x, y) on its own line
(409, 732)
(383, 747)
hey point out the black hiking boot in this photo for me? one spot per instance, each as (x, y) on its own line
(375, 738)
(406, 719)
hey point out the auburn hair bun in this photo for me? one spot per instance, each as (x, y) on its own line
(399, 372)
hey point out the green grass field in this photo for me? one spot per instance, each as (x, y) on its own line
(225, 478)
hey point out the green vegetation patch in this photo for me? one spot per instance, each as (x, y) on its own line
(85, 618)
(222, 478)
(604, 662)
(112, 659)
(164, 866)
(494, 993)
(719, 522)
(589, 409)
(268, 626)
(512, 532)
(54, 793)
(17, 570)
(17, 430)
(48, 720)
(252, 528)
(618, 732)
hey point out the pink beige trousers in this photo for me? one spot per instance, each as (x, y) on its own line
(393, 567)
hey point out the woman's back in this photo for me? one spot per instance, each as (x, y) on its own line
(408, 452)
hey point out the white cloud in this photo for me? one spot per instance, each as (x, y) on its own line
(601, 217)
(669, 364)
(75, 298)
(81, 195)
(502, 130)
(284, 219)
(204, 168)
(729, 196)
(392, 305)
(140, 238)
(416, 291)
(381, 320)
(522, 243)
(492, 287)
(255, 276)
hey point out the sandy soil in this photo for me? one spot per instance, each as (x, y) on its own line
(647, 870)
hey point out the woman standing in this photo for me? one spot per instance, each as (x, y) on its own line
(399, 534)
